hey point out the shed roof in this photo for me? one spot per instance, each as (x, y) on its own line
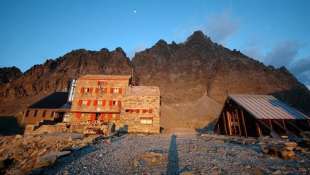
(143, 91)
(54, 100)
(267, 107)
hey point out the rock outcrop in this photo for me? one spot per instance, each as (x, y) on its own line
(200, 71)
(54, 75)
(8, 74)
(194, 77)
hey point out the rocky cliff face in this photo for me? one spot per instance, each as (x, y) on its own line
(199, 71)
(8, 74)
(54, 75)
(194, 77)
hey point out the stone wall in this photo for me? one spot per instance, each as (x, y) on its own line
(35, 115)
(142, 114)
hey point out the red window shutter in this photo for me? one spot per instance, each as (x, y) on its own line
(119, 103)
(88, 102)
(111, 103)
(110, 116)
(82, 90)
(80, 102)
(105, 90)
(117, 117)
(95, 102)
(111, 90)
(103, 102)
(93, 117)
(90, 90)
(120, 90)
(101, 118)
(97, 90)
(78, 115)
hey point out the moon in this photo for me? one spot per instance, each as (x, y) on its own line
(134, 11)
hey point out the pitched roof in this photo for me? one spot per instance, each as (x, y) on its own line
(267, 107)
(54, 100)
(143, 91)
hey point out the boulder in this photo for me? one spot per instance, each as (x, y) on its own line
(49, 159)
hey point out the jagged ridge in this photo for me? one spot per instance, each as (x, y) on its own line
(189, 75)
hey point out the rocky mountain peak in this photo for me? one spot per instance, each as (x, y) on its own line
(161, 43)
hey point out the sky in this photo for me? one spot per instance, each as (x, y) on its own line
(275, 32)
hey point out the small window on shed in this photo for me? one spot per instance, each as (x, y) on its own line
(35, 113)
(44, 114)
(27, 113)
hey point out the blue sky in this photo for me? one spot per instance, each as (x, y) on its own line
(274, 32)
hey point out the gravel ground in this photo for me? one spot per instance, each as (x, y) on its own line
(175, 154)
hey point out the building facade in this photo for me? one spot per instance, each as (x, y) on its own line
(101, 99)
(51, 108)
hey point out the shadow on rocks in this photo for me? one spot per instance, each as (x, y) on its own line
(64, 161)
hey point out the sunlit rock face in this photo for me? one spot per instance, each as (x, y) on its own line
(194, 78)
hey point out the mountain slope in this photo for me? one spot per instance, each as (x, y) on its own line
(187, 71)
(54, 75)
(194, 77)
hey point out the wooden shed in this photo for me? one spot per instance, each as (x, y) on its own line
(260, 115)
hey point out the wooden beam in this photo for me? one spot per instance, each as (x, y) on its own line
(259, 132)
(283, 122)
(270, 123)
(282, 127)
(243, 122)
(237, 115)
(228, 121)
(224, 118)
(272, 132)
(295, 126)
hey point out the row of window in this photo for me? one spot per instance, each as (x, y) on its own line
(90, 90)
(100, 117)
(35, 113)
(137, 111)
(112, 103)
(104, 117)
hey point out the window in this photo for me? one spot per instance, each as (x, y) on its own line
(84, 102)
(144, 111)
(44, 114)
(101, 84)
(27, 113)
(103, 102)
(146, 121)
(88, 102)
(115, 90)
(95, 102)
(78, 115)
(35, 113)
(150, 111)
(80, 102)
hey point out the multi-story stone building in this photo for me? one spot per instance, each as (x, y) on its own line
(97, 100)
